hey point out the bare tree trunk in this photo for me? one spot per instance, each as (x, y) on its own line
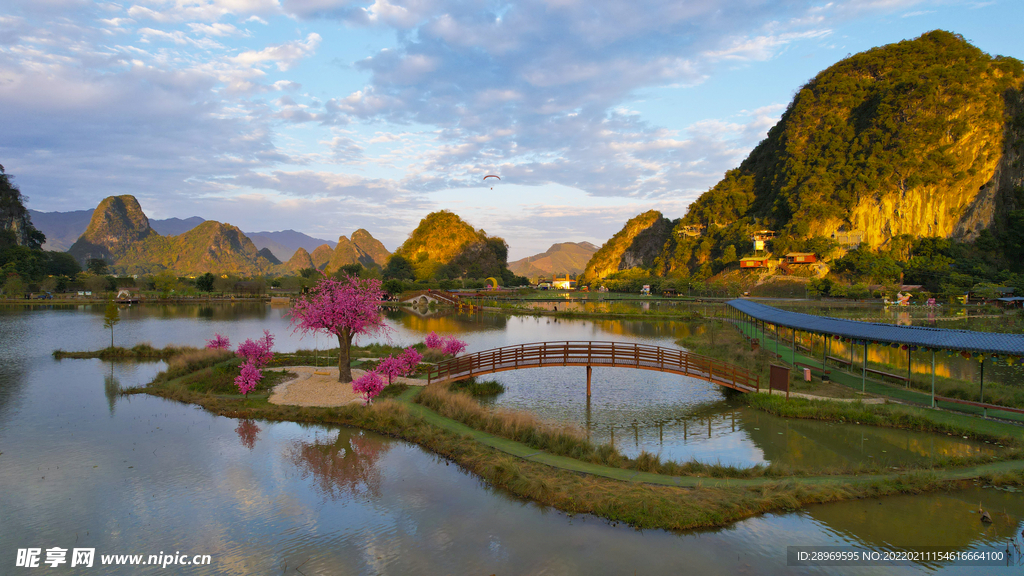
(344, 350)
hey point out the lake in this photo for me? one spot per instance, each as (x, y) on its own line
(83, 467)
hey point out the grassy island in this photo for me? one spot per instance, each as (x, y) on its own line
(557, 466)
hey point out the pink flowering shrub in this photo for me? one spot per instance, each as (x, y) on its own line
(434, 341)
(449, 345)
(391, 367)
(218, 343)
(453, 346)
(256, 353)
(249, 377)
(369, 385)
(410, 358)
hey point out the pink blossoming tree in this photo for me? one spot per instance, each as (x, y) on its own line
(248, 378)
(369, 385)
(447, 344)
(453, 346)
(346, 308)
(410, 358)
(218, 343)
(391, 368)
(256, 354)
(434, 341)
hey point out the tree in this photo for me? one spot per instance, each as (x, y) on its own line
(399, 268)
(449, 345)
(346, 308)
(110, 319)
(354, 269)
(391, 367)
(369, 385)
(97, 284)
(218, 342)
(62, 264)
(393, 287)
(49, 284)
(205, 282)
(256, 354)
(97, 266)
(14, 287)
(165, 282)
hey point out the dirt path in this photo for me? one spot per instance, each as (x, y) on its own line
(320, 387)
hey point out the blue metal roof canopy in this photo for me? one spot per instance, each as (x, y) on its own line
(920, 336)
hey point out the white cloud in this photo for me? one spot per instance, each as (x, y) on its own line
(215, 29)
(283, 55)
(762, 47)
(169, 11)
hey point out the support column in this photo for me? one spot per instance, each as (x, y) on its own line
(794, 347)
(864, 370)
(824, 354)
(590, 370)
(909, 366)
(982, 397)
(933, 378)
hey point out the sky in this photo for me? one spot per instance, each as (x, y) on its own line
(325, 116)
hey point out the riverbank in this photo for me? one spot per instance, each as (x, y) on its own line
(702, 497)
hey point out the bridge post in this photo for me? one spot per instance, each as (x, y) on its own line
(590, 370)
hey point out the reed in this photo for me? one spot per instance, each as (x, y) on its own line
(640, 505)
(890, 415)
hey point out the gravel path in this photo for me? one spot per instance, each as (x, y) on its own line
(320, 387)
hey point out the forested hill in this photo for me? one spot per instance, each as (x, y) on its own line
(445, 246)
(919, 138)
(15, 223)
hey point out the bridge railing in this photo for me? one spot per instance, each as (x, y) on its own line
(618, 354)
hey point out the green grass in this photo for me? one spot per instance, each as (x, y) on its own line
(634, 494)
(143, 351)
(890, 415)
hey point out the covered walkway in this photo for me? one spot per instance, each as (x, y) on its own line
(981, 345)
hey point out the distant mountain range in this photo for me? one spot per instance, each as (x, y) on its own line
(284, 243)
(119, 232)
(563, 258)
(62, 229)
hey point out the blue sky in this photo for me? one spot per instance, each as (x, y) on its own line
(325, 116)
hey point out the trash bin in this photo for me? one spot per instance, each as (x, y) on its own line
(807, 374)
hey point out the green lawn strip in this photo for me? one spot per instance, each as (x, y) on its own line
(532, 454)
(853, 380)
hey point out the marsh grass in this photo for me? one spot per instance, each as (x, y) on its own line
(640, 505)
(889, 415)
(571, 441)
(473, 387)
(142, 351)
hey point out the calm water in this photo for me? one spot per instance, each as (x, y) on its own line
(81, 467)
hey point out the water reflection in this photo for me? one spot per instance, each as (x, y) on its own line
(111, 389)
(683, 418)
(156, 474)
(343, 467)
(871, 521)
(248, 432)
(445, 320)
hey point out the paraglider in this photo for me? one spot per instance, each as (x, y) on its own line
(491, 176)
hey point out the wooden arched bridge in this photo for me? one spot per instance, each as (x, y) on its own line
(590, 354)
